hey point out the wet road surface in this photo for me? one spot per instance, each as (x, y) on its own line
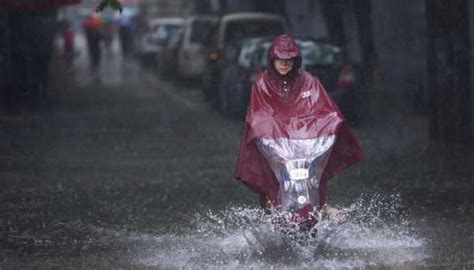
(136, 172)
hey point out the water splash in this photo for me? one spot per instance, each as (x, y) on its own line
(376, 232)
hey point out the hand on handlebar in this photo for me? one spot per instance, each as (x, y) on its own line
(266, 203)
(332, 213)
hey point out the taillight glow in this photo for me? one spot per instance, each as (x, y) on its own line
(346, 77)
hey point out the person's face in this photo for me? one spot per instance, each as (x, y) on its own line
(283, 66)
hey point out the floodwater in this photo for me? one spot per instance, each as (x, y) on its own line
(136, 172)
(241, 237)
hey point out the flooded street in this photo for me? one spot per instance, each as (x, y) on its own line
(137, 172)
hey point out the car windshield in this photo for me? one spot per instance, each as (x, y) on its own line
(319, 53)
(247, 50)
(176, 37)
(163, 32)
(262, 53)
(201, 32)
(238, 30)
(313, 53)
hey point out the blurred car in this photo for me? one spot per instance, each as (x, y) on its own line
(192, 55)
(168, 58)
(231, 29)
(237, 76)
(151, 43)
(322, 58)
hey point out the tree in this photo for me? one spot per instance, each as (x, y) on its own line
(363, 14)
(332, 13)
(114, 4)
(448, 69)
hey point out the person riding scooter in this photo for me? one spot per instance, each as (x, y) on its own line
(295, 137)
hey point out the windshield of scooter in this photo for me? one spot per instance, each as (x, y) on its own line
(298, 165)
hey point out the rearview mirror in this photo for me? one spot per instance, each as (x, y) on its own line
(214, 56)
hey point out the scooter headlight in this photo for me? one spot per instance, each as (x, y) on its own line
(302, 199)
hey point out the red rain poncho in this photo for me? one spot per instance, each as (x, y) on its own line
(294, 106)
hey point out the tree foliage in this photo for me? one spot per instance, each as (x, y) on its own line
(113, 4)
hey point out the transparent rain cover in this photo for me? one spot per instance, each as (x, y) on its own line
(298, 165)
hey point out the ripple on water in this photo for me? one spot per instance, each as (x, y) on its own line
(375, 233)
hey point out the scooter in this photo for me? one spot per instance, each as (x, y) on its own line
(298, 165)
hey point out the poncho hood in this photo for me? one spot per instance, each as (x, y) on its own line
(284, 47)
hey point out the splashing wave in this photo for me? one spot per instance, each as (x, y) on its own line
(375, 233)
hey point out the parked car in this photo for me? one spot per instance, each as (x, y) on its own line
(231, 29)
(237, 76)
(321, 58)
(152, 42)
(168, 58)
(192, 55)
